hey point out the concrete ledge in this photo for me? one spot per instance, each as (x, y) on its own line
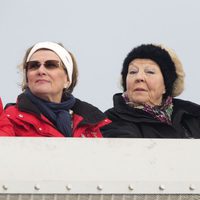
(99, 166)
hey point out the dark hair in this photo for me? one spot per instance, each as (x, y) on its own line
(158, 55)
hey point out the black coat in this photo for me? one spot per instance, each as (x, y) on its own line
(135, 123)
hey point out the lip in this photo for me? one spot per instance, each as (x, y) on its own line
(140, 90)
(41, 81)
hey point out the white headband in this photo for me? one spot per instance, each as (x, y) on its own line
(60, 51)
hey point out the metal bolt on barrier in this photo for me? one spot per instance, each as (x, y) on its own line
(37, 187)
(99, 187)
(130, 187)
(68, 187)
(192, 187)
(5, 187)
(161, 187)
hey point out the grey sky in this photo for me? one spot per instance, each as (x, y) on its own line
(100, 34)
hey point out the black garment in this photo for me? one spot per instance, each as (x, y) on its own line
(128, 122)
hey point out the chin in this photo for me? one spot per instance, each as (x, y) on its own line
(41, 89)
(140, 101)
(40, 93)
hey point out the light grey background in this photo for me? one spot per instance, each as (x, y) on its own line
(100, 34)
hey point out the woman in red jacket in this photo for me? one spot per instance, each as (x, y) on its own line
(46, 107)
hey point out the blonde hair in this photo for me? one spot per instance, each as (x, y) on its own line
(178, 85)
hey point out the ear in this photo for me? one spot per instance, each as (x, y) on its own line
(164, 91)
(66, 85)
(66, 82)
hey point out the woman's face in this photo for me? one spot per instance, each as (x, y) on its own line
(46, 77)
(144, 82)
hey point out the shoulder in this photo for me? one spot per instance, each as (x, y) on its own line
(188, 106)
(118, 104)
(10, 107)
(121, 110)
(12, 111)
(90, 113)
(6, 128)
(184, 102)
(84, 108)
(112, 114)
(14, 106)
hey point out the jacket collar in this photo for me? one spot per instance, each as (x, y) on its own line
(89, 113)
(126, 112)
(25, 105)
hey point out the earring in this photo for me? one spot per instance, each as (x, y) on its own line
(66, 85)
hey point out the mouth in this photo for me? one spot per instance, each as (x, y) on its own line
(140, 90)
(42, 81)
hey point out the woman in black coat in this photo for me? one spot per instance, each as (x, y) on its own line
(152, 75)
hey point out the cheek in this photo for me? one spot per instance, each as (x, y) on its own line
(62, 80)
(157, 85)
(129, 83)
(28, 77)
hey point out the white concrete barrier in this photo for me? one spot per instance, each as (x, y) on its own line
(78, 166)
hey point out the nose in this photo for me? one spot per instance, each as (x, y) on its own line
(140, 76)
(41, 69)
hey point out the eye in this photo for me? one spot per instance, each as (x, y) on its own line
(151, 72)
(132, 72)
(52, 64)
(32, 65)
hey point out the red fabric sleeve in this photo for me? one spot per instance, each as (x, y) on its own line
(6, 128)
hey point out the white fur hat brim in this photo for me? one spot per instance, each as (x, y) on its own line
(178, 85)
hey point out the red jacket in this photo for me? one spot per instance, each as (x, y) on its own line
(6, 128)
(28, 121)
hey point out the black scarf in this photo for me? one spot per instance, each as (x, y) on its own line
(57, 113)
